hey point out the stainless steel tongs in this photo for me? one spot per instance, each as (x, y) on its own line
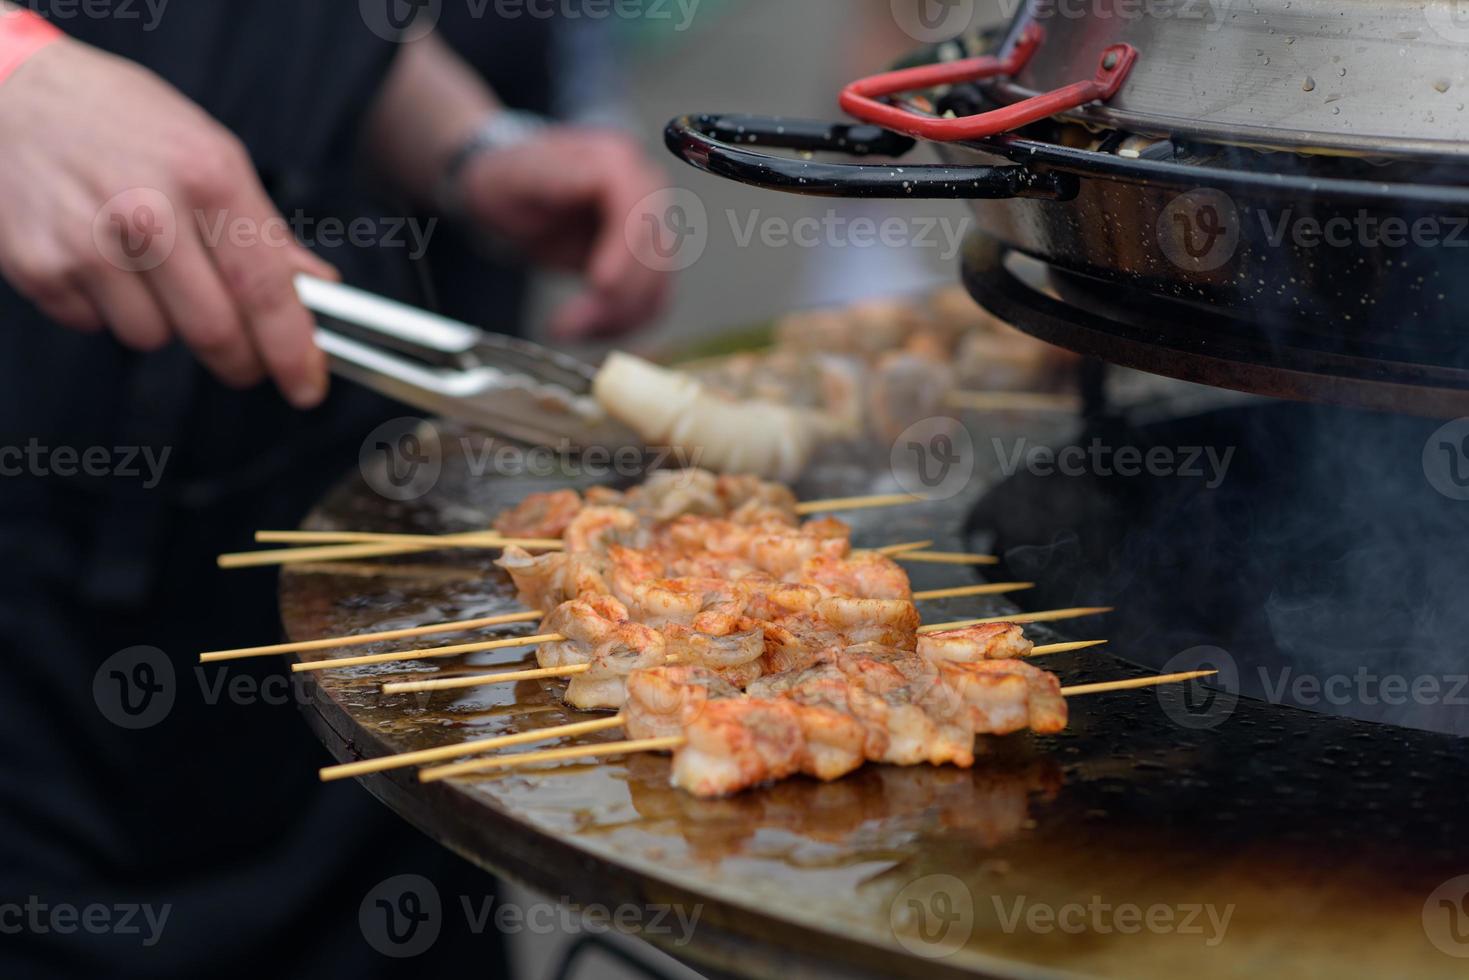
(509, 387)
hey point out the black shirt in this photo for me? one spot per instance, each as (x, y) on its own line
(212, 812)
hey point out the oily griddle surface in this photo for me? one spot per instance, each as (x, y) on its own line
(1322, 839)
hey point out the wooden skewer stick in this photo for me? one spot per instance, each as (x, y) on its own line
(429, 654)
(484, 680)
(906, 548)
(947, 558)
(294, 556)
(347, 770)
(809, 507)
(1045, 651)
(1136, 682)
(462, 626)
(465, 625)
(467, 539)
(991, 588)
(675, 741)
(1046, 616)
(552, 755)
(504, 677)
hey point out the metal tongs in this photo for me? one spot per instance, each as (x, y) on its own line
(510, 387)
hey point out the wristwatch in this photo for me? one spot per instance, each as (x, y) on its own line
(502, 130)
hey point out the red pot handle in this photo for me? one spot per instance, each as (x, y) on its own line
(860, 99)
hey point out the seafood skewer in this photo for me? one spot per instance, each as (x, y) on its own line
(827, 722)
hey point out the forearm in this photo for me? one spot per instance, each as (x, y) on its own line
(430, 104)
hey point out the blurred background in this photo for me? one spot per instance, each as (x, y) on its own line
(766, 57)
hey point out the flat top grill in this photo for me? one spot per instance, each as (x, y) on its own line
(1324, 837)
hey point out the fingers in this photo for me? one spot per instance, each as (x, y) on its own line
(622, 292)
(129, 308)
(199, 308)
(258, 274)
(71, 308)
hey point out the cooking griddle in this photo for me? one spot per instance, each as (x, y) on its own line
(1331, 839)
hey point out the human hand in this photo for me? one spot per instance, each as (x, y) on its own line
(566, 197)
(126, 206)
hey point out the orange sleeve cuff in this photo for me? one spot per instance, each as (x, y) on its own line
(22, 34)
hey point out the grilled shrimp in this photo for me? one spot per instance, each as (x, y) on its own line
(586, 623)
(735, 744)
(546, 581)
(541, 515)
(596, 527)
(992, 641)
(629, 647)
(865, 574)
(662, 701)
(889, 622)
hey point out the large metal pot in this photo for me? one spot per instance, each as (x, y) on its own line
(1356, 260)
